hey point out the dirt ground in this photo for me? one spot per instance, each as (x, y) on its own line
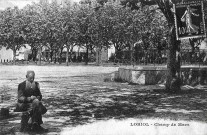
(79, 101)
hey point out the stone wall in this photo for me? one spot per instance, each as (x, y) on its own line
(157, 75)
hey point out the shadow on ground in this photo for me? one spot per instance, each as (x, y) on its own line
(79, 100)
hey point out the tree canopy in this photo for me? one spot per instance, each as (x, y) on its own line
(55, 26)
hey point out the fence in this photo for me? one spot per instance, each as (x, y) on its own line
(156, 57)
(197, 57)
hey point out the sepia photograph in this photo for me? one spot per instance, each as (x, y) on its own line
(103, 67)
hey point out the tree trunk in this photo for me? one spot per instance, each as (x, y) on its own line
(86, 55)
(131, 54)
(67, 54)
(51, 55)
(14, 56)
(192, 44)
(119, 52)
(173, 66)
(60, 56)
(55, 57)
(70, 53)
(34, 54)
(98, 56)
(78, 58)
(40, 55)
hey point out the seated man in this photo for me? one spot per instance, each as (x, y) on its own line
(29, 102)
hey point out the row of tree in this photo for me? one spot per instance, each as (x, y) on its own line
(96, 24)
(87, 25)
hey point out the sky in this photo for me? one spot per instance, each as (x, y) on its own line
(11, 3)
(20, 3)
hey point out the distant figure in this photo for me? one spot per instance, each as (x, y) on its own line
(187, 18)
(29, 102)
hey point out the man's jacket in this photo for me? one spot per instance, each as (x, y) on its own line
(25, 94)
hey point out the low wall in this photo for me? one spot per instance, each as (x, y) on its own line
(156, 75)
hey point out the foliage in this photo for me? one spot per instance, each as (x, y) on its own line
(12, 24)
(87, 24)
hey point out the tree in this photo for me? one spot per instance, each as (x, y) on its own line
(173, 45)
(42, 28)
(33, 27)
(69, 29)
(12, 24)
(123, 27)
(173, 63)
(101, 29)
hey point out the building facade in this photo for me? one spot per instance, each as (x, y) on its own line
(6, 55)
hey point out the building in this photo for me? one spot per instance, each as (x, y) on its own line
(6, 55)
(23, 53)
